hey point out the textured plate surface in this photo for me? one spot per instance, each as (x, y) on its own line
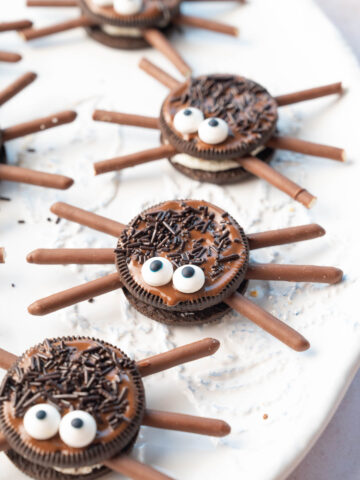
(252, 374)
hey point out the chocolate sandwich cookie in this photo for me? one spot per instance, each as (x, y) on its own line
(69, 404)
(220, 128)
(72, 408)
(182, 257)
(120, 24)
(235, 114)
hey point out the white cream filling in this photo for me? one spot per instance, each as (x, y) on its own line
(208, 165)
(116, 31)
(78, 471)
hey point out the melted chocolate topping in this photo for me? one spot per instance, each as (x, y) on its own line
(185, 232)
(249, 110)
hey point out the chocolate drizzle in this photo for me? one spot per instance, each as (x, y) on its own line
(170, 231)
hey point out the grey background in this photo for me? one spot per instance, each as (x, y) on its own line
(336, 456)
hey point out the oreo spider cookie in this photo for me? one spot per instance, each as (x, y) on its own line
(120, 22)
(179, 260)
(67, 405)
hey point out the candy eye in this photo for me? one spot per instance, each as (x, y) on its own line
(213, 130)
(77, 429)
(127, 7)
(188, 279)
(157, 271)
(188, 120)
(42, 421)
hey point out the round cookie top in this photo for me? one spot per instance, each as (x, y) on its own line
(131, 13)
(218, 117)
(71, 402)
(182, 255)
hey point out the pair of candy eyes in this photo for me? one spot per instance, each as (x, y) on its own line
(124, 7)
(158, 271)
(77, 429)
(211, 130)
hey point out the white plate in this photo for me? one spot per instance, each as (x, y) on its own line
(286, 47)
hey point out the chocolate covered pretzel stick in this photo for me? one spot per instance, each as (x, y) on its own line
(7, 359)
(133, 159)
(186, 423)
(16, 25)
(283, 236)
(9, 57)
(308, 148)
(158, 40)
(263, 170)
(75, 295)
(134, 469)
(268, 322)
(39, 125)
(88, 219)
(2, 255)
(159, 74)
(294, 273)
(33, 33)
(309, 94)
(52, 3)
(205, 24)
(178, 356)
(14, 88)
(126, 119)
(34, 177)
(77, 256)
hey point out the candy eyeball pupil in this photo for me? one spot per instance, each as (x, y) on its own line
(156, 265)
(213, 122)
(41, 414)
(188, 272)
(77, 423)
(187, 112)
